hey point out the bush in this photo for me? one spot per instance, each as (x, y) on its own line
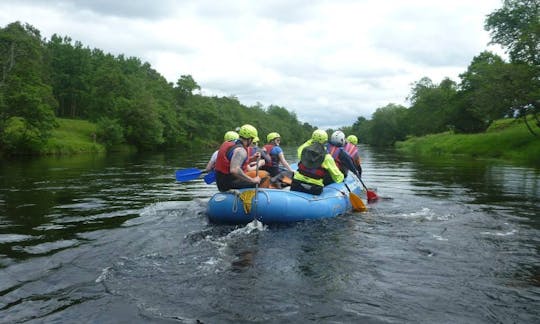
(20, 137)
(109, 132)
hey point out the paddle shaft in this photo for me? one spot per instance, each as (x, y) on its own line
(256, 190)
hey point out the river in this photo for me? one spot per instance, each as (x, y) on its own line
(115, 239)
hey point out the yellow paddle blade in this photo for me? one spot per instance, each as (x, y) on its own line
(357, 203)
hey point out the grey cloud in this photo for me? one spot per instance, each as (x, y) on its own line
(431, 38)
(284, 11)
(146, 9)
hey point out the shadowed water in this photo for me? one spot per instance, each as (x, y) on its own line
(117, 239)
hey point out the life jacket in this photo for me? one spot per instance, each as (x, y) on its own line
(311, 161)
(251, 150)
(351, 149)
(274, 158)
(334, 151)
(223, 161)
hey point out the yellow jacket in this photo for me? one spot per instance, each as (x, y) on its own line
(328, 164)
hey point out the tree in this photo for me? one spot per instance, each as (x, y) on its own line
(27, 105)
(492, 89)
(388, 125)
(516, 26)
(70, 71)
(185, 87)
(430, 105)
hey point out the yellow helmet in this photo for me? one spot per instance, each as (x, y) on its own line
(319, 136)
(352, 139)
(256, 140)
(230, 136)
(272, 136)
(248, 131)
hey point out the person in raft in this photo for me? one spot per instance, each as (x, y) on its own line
(352, 150)
(229, 136)
(276, 155)
(343, 160)
(314, 164)
(232, 161)
(252, 150)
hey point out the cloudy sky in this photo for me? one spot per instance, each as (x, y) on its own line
(329, 61)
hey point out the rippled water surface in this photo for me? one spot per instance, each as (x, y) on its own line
(117, 239)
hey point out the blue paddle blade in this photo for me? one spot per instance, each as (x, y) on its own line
(210, 177)
(187, 174)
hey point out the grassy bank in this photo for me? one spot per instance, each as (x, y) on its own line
(507, 139)
(72, 137)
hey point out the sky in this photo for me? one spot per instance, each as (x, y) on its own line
(328, 61)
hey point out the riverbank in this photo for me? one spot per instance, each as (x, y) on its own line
(71, 137)
(506, 139)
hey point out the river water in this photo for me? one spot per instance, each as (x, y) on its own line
(115, 239)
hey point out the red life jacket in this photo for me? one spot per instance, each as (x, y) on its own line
(316, 171)
(251, 150)
(351, 149)
(334, 151)
(274, 158)
(223, 161)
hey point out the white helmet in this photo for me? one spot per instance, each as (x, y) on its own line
(337, 138)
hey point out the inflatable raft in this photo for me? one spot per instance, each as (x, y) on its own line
(271, 206)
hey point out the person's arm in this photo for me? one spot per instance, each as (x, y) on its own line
(284, 162)
(212, 162)
(265, 156)
(237, 159)
(347, 161)
(330, 165)
(358, 167)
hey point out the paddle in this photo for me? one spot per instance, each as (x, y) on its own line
(356, 202)
(210, 177)
(371, 195)
(188, 174)
(254, 208)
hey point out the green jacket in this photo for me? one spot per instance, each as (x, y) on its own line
(328, 164)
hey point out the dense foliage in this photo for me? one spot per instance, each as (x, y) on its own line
(130, 102)
(133, 104)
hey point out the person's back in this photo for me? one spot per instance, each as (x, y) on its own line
(343, 160)
(315, 163)
(276, 154)
(232, 160)
(229, 136)
(352, 149)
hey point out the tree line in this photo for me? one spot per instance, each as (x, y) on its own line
(132, 103)
(128, 100)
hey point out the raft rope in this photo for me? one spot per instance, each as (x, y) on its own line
(246, 197)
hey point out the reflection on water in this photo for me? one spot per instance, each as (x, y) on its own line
(454, 241)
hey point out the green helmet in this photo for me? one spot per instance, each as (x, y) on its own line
(319, 136)
(352, 139)
(256, 140)
(230, 136)
(272, 136)
(248, 131)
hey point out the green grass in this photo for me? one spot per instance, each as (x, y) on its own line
(507, 139)
(73, 137)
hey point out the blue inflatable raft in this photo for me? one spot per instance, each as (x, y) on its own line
(272, 206)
